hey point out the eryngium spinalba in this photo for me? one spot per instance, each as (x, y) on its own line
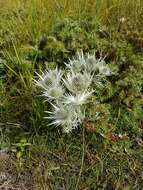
(70, 93)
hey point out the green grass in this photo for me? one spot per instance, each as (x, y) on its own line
(103, 154)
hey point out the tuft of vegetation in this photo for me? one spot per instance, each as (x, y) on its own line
(105, 151)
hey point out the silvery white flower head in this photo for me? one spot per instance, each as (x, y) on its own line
(78, 99)
(78, 63)
(83, 62)
(49, 79)
(54, 93)
(88, 63)
(104, 69)
(97, 65)
(64, 116)
(78, 82)
(92, 64)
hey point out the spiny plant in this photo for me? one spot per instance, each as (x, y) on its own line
(70, 90)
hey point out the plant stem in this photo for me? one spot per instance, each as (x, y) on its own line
(82, 159)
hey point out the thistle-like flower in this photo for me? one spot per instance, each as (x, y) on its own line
(92, 64)
(49, 79)
(78, 99)
(54, 93)
(78, 63)
(88, 63)
(78, 82)
(104, 70)
(97, 65)
(50, 83)
(64, 116)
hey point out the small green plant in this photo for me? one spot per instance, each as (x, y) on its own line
(21, 147)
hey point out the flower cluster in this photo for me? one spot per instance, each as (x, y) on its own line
(70, 90)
